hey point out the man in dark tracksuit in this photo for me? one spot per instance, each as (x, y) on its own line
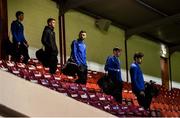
(49, 42)
(137, 80)
(78, 54)
(114, 72)
(20, 45)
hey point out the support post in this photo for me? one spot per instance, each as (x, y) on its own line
(170, 74)
(126, 57)
(62, 40)
(3, 27)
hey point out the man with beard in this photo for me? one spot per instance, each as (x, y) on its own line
(78, 55)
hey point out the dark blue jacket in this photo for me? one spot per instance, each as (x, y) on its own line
(17, 30)
(78, 52)
(137, 80)
(113, 67)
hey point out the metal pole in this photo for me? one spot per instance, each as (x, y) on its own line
(64, 38)
(126, 58)
(170, 74)
(62, 41)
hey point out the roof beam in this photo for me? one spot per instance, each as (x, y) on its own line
(115, 23)
(70, 4)
(152, 38)
(174, 48)
(65, 5)
(152, 25)
(141, 2)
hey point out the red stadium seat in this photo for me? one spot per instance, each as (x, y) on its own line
(166, 104)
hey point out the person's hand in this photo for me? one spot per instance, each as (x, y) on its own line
(80, 68)
(26, 44)
(18, 44)
(142, 93)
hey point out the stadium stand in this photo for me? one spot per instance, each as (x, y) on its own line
(166, 104)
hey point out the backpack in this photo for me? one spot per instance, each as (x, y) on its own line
(70, 68)
(106, 84)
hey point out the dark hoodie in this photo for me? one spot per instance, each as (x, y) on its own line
(49, 41)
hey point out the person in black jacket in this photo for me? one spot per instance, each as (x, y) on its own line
(49, 42)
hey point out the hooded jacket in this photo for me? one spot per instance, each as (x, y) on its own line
(49, 41)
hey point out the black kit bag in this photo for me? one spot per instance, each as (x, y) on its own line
(70, 68)
(106, 84)
(42, 57)
(150, 91)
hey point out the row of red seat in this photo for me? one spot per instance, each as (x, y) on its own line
(91, 93)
